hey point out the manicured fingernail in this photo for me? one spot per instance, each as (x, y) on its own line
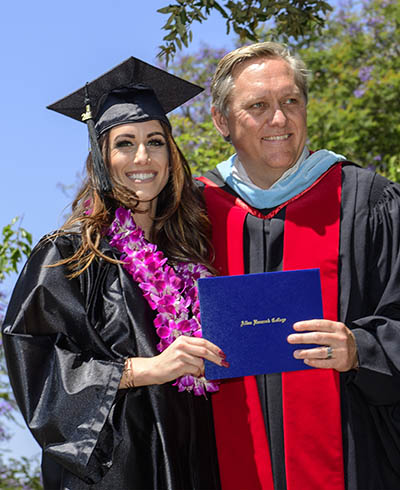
(222, 354)
(225, 364)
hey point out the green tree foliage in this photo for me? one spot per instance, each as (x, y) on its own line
(19, 474)
(292, 17)
(7, 404)
(202, 146)
(354, 101)
(15, 242)
(192, 126)
(354, 91)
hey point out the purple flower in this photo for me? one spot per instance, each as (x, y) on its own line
(354, 29)
(185, 383)
(375, 21)
(198, 389)
(185, 326)
(364, 73)
(169, 309)
(164, 332)
(211, 386)
(359, 92)
(199, 385)
(5, 407)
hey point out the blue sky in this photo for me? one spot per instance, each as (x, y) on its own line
(47, 50)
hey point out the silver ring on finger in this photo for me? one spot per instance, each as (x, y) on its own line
(329, 352)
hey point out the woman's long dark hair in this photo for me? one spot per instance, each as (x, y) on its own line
(181, 227)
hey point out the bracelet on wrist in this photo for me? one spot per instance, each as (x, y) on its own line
(128, 373)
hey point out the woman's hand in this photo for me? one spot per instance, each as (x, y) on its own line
(338, 346)
(184, 356)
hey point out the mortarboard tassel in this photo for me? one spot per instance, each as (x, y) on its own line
(103, 179)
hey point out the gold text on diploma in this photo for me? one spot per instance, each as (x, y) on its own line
(255, 321)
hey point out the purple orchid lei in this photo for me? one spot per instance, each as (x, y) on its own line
(170, 291)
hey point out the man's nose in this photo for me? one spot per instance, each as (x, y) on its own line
(278, 118)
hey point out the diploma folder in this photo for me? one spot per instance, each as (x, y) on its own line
(249, 317)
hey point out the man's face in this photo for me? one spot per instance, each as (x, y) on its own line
(267, 121)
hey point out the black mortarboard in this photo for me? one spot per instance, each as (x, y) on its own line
(133, 91)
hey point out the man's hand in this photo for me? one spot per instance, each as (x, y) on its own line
(338, 346)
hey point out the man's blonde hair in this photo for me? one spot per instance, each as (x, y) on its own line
(223, 82)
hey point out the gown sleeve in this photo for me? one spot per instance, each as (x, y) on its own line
(65, 379)
(378, 332)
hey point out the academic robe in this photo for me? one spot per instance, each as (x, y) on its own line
(65, 342)
(369, 304)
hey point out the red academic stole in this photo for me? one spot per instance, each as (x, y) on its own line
(311, 398)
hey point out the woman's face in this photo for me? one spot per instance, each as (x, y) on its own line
(139, 159)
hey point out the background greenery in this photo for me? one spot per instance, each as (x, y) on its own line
(15, 244)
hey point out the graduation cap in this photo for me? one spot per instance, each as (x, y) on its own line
(133, 91)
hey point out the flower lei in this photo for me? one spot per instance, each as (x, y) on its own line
(170, 291)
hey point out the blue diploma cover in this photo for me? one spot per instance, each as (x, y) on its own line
(250, 316)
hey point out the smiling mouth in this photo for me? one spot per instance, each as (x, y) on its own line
(141, 177)
(276, 138)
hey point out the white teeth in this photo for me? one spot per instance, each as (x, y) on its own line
(142, 176)
(276, 138)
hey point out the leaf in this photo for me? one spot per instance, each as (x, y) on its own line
(224, 14)
(185, 39)
(171, 36)
(15, 243)
(165, 10)
(167, 25)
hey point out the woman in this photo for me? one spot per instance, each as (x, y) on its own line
(97, 303)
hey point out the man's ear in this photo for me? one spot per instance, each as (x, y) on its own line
(220, 122)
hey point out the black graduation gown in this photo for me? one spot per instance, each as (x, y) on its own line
(65, 343)
(369, 304)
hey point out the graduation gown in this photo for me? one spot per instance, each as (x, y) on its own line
(65, 343)
(369, 304)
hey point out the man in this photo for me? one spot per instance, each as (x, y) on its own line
(274, 205)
